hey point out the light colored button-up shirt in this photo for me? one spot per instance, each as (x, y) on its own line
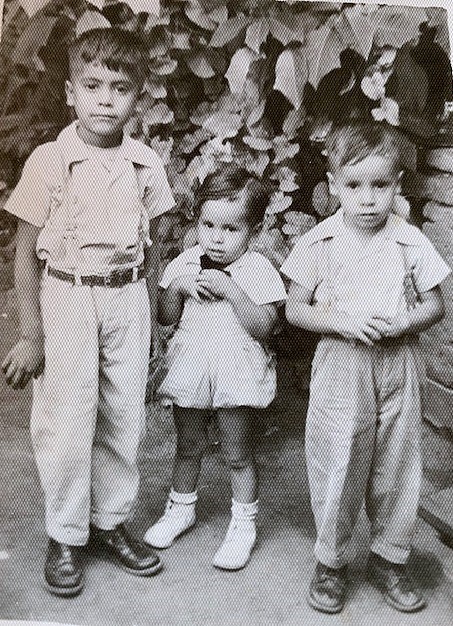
(94, 212)
(364, 278)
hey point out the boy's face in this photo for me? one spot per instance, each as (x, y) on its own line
(366, 191)
(103, 100)
(223, 231)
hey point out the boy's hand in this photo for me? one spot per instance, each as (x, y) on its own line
(367, 330)
(399, 325)
(217, 284)
(188, 286)
(24, 361)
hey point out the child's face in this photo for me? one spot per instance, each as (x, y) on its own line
(366, 191)
(103, 100)
(223, 231)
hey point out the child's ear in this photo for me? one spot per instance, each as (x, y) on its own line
(69, 93)
(331, 182)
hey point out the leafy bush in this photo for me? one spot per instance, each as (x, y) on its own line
(254, 81)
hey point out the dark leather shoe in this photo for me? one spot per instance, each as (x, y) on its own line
(63, 571)
(328, 589)
(396, 585)
(132, 555)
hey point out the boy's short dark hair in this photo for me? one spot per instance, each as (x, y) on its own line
(233, 183)
(351, 142)
(115, 48)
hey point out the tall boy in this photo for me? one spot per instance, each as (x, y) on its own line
(87, 204)
(368, 282)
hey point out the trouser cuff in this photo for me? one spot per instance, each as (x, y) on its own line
(394, 554)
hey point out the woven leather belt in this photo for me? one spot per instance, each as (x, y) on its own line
(115, 279)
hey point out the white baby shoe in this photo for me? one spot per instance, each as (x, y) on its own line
(177, 519)
(240, 538)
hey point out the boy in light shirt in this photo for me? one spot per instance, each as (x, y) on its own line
(368, 282)
(87, 204)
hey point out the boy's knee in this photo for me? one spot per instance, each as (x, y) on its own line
(237, 461)
(191, 448)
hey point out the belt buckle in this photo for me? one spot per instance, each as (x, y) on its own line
(108, 280)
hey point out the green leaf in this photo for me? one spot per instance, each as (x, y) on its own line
(291, 75)
(283, 149)
(198, 16)
(191, 141)
(157, 115)
(298, 223)
(90, 20)
(155, 88)
(239, 68)
(163, 66)
(279, 203)
(33, 38)
(144, 6)
(229, 30)
(256, 114)
(32, 6)
(257, 143)
(219, 15)
(223, 124)
(160, 42)
(163, 148)
(256, 162)
(257, 34)
(199, 64)
(285, 32)
(181, 41)
(201, 113)
(293, 122)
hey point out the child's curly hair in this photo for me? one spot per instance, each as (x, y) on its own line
(115, 48)
(233, 183)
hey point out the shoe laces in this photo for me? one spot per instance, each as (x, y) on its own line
(331, 575)
(402, 579)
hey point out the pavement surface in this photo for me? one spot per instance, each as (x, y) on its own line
(270, 591)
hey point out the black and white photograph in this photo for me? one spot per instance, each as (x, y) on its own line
(226, 313)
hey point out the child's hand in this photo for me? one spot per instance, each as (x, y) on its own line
(216, 284)
(189, 287)
(368, 330)
(24, 361)
(399, 325)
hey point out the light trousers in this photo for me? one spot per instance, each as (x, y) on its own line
(88, 412)
(363, 445)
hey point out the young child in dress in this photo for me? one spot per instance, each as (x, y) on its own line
(86, 204)
(223, 298)
(368, 282)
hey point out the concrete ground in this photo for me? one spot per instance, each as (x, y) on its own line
(270, 591)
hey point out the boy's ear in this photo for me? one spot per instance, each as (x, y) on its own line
(69, 93)
(331, 182)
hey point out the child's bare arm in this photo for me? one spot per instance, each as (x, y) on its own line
(428, 311)
(26, 358)
(170, 303)
(326, 320)
(258, 319)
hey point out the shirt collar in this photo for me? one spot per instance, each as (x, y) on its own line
(396, 229)
(74, 150)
